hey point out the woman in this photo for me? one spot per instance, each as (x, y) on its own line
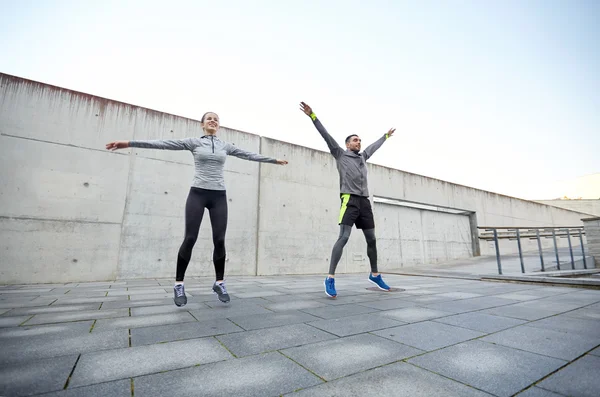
(207, 191)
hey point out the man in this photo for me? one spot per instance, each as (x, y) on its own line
(354, 192)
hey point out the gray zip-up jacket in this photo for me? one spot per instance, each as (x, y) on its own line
(352, 167)
(209, 154)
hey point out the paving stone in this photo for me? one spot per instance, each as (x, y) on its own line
(570, 325)
(272, 320)
(39, 376)
(522, 313)
(264, 340)
(352, 325)
(144, 321)
(329, 312)
(495, 369)
(127, 303)
(257, 294)
(50, 318)
(481, 322)
(16, 302)
(538, 392)
(345, 356)
(294, 305)
(269, 374)
(460, 295)
(586, 313)
(467, 305)
(579, 378)
(12, 321)
(428, 335)
(29, 311)
(544, 341)
(518, 296)
(596, 351)
(83, 300)
(148, 310)
(79, 327)
(389, 304)
(553, 304)
(398, 380)
(135, 361)
(348, 299)
(168, 333)
(32, 348)
(413, 314)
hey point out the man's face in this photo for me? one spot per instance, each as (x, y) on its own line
(354, 144)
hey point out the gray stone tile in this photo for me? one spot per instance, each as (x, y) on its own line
(269, 374)
(12, 321)
(468, 305)
(264, 340)
(522, 313)
(428, 335)
(2, 311)
(79, 327)
(348, 299)
(553, 304)
(146, 297)
(294, 305)
(538, 392)
(84, 300)
(119, 388)
(596, 351)
(228, 311)
(345, 356)
(127, 303)
(25, 302)
(570, 325)
(149, 310)
(144, 321)
(413, 314)
(50, 318)
(495, 369)
(352, 325)
(398, 380)
(31, 348)
(330, 312)
(481, 322)
(585, 313)
(518, 296)
(117, 364)
(30, 311)
(35, 377)
(460, 295)
(389, 304)
(168, 333)
(579, 378)
(544, 341)
(272, 320)
(257, 294)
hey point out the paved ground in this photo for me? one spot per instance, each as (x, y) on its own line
(281, 335)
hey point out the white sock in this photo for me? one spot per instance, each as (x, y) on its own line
(178, 283)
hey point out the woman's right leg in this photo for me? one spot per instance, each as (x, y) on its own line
(194, 211)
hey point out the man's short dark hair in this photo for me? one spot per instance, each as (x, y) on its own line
(350, 136)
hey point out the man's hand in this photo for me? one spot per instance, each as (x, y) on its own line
(282, 162)
(390, 132)
(305, 108)
(117, 145)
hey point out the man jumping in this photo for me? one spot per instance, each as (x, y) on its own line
(354, 193)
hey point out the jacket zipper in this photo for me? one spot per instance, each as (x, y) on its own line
(213, 144)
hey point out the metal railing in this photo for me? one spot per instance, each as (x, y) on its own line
(517, 233)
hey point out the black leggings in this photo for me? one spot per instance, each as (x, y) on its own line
(216, 203)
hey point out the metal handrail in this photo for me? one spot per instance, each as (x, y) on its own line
(551, 232)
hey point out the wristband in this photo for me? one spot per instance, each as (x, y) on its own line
(313, 116)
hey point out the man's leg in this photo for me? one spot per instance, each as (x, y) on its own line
(338, 248)
(371, 249)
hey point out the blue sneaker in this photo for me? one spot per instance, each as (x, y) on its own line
(378, 281)
(330, 287)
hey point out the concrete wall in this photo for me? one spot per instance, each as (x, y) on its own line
(72, 211)
(591, 207)
(592, 231)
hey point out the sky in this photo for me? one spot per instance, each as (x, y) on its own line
(500, 95)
